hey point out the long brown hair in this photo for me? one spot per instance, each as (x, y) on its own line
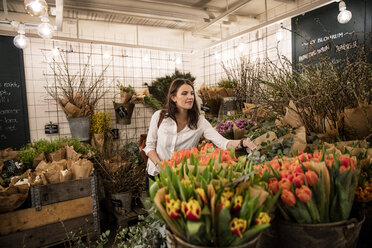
(192, 114)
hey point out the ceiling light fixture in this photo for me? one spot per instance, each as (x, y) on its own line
(21, 41)
(345, 15)
(45, 29)
(36, 7)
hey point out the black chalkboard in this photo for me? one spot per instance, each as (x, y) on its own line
(14, 129)
(330, 36)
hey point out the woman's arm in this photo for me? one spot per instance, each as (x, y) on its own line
(220, 141)
(153, 156)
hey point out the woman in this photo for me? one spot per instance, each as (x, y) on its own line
(181, 127)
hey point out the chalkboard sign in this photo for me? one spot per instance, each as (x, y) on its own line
(322, 33)
(14, 129)
(51, 128)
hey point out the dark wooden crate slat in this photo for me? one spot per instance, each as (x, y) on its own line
(48, 235)
(58, 192)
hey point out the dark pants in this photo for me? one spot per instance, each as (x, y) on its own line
(148, 182)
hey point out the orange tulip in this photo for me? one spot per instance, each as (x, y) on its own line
(299, 180)
(288, 197)
(311, 178)
(304, 193)
(273, 185)
(284, 183)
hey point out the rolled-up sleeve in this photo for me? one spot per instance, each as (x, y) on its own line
(152, 135)
(211, 134)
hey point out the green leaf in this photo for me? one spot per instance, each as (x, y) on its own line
(250, 234)
(153, 190)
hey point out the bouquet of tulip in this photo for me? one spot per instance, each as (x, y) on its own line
(199, 197)
(315, 188)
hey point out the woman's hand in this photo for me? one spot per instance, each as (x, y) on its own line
(247, 143)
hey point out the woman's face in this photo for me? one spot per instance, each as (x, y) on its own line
(184, 97)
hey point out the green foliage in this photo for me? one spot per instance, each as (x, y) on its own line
(132, 153)
(149, 232)
(225, 83)
(128, 89)
(31, 150)
(159, 88)
(153, 103)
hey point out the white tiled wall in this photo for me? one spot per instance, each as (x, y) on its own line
(131, 69)
(258, 44)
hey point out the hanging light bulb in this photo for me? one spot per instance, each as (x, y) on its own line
(106, 55)
(55, 52)
(21, 41)
(45, 29)
(178, 61)
(36, 7)
(345, 15)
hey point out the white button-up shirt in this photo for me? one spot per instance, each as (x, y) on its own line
(165, 139)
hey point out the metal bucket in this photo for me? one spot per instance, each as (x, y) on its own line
(335, 234)
(176, 242)
(79, 127)
(122, 202)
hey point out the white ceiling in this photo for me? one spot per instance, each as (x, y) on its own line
(212, 19)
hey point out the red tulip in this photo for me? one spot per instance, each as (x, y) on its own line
(238, 203)
(299, 180)
(191, 209)
(288, 197)
(304, 193)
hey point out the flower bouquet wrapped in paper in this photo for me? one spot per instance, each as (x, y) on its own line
(315, 188)
(210, 198)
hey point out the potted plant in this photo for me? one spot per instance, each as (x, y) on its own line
(100, 129)
(124, 109)
(123, 178)
(159, 89)
(77, 92)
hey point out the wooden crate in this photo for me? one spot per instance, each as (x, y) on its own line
(56, 210)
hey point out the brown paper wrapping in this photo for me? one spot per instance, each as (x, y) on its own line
(357, 122)
(269, 136)
(63, 101)
(98, 141)
(159, 198)
(239, 133)
(8, 154)
(125, 96)
(72, 110)
(71, 154)
(32, 179)
(12, 197)
(38, 159)
(291, 117)
(66, 177)
(81, 168)
(57, 155)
